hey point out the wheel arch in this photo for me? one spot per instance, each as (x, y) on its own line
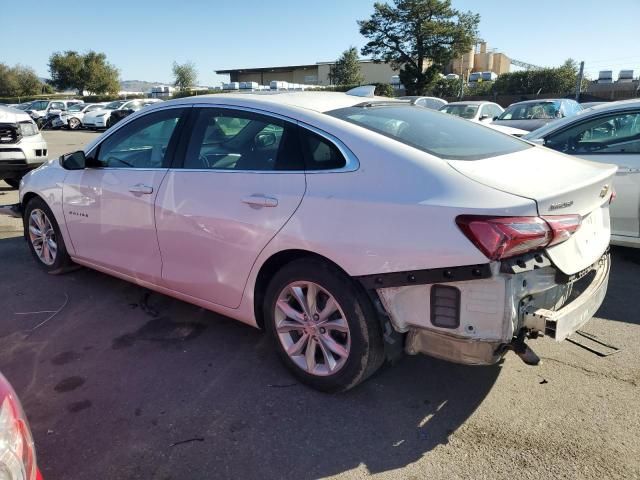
(272, 265)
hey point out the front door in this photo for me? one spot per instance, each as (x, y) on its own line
(109, 207)
(242, 179)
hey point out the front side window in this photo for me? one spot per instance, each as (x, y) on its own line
(142, 143)
(39, 105)
(227, 139)
(114, 105)
(444, 136)
(532, 111)
(619, 133)
(57, 106)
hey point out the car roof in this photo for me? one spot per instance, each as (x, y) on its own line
(543, 100)
(597, 110)
(316, 101)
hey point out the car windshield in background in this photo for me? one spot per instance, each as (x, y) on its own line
(441, 135)
(532, 111)
(464, 111)
(77, 107)
(113, 105)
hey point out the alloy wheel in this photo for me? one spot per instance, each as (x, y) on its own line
(43, 237)
(312, 328)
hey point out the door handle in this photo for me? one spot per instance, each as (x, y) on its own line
(260, 201)
(141, 188)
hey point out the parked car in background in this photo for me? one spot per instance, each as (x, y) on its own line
(433, 103)
(586, 105)
(17, 450)
(22, 147)
(72, 117)
(21, 106)
(481, 112)
(608, 133)
(119, 114)
(100, 119)
(273, 213)
(40, 109)
(532, 114)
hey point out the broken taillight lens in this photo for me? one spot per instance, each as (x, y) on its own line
(504, 237)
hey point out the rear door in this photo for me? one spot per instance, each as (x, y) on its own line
(241, 179)
(610, 138)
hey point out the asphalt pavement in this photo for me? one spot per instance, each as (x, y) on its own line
(119, 382)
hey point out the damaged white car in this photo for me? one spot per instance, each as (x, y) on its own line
(351, 228)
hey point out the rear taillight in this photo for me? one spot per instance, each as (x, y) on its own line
(504, 237)
(17, 453)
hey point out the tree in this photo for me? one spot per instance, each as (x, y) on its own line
(419, 38)
(19, 81)
(90, 71)
(561, 80)
(28, 82)
(346, 71)
(185, 75)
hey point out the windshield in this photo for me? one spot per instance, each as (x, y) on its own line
(76, 108)
(24, 106)
(444, 136)
(464, 111)
(114, 105)
(532, 111)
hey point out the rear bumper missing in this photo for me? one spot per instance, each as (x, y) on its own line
(559, 324)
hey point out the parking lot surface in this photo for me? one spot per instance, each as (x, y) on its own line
(124, 383)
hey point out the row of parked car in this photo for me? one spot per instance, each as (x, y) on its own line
(75, 114)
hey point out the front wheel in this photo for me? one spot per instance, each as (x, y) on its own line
(324, 328)
(44, 237)
(74, 124)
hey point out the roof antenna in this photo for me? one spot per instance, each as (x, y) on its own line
(363, 91)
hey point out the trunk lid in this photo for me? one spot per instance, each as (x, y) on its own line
(560, 185)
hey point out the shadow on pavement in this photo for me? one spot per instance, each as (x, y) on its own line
(123, 384)
(624, 286)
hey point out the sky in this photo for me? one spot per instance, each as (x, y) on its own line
(143, 38)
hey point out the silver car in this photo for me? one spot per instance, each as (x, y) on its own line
(532, 114)
(608, 133)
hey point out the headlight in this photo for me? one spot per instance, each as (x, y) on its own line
(17, 453)
(28, 129)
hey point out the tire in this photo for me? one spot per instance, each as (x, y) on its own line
(13, 182)
(109, 123)
(38, 218)
(326, 368)
(74, 124)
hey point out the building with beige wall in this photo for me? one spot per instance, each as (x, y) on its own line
(480, 59)
(310, 74)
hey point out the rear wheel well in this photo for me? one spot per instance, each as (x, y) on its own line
(269, 269)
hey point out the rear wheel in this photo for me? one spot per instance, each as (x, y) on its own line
(44, 237)
(323, 327)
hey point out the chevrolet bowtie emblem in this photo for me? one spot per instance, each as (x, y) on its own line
(604, 191)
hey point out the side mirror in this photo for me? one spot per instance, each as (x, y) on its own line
(483, 117)
(74, 161)
(496, 117)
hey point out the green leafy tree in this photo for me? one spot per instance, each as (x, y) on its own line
(8, 82)
(89, 71)
(185, 75)
(418, 37)
(561, 80)
(346, 71)
(28, 82)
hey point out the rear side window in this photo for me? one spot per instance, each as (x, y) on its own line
(320, 153)
(444, 136)
(228, 139)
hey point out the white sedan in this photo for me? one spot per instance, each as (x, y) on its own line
(481, 112)
(99, 119)
(72, 117)
(351, 229)
(606, 133)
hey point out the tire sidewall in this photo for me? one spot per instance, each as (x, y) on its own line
(365, 337)
(62, 257)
